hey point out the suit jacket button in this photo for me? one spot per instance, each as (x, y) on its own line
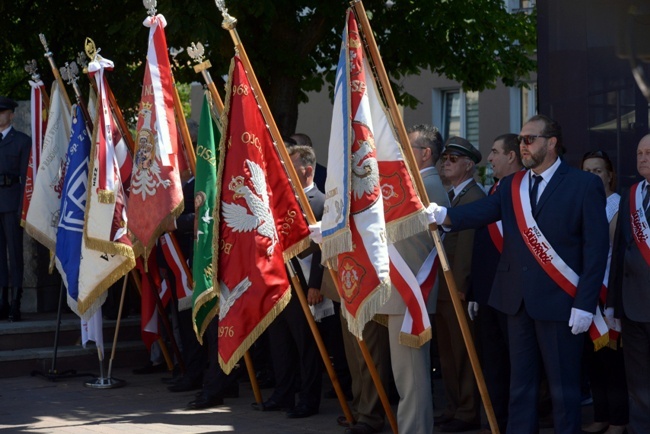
(525, 268)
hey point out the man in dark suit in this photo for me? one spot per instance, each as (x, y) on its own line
(628, 290)
(555, 244)
(461, 413)
(291, 339)
(14, 157)
(491, 325)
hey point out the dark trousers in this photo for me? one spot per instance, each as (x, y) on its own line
(608, 385)
(492, 336)
(296, 360)
(215, 381)
(549, 344)
(11, 250)
(636, 350)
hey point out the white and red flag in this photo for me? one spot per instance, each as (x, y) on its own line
(105, 228)
(156, 196)
(260, 223)
(39, 124)
(42, 219)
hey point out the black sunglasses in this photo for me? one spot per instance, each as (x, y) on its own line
(528, 140)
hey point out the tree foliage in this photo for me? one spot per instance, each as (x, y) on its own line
(292, 44)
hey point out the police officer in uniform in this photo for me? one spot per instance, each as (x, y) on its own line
(14, 156)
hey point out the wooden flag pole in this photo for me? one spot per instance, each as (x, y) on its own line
(229, 24)
(398, 123)
(185, 132)
(55, 70)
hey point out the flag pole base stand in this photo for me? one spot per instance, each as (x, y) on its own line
(105, 383)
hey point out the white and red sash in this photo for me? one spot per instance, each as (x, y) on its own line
(496, 229)
(178, 265)
(416, 328)
(545, 254)
(640, 228)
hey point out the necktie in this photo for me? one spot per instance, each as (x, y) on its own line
(451, 195)
(533, 192)
(1, 137)
(646, 199)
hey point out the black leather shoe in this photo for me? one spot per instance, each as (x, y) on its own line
(150, 368)
(268, 405)
(457, 425)
(301, 411)
(204, 402)
(184, 386)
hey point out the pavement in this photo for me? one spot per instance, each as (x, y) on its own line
(35, 404)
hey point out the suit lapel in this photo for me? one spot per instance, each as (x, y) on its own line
(556, 180)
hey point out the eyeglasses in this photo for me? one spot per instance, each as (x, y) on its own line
(528, 140)
(452, 158)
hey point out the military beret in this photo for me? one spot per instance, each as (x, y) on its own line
(7, 103)
(459, 146)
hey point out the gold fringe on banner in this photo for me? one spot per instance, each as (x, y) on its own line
(415, 341)
(407, 226)
(367, 310)
(336, 244)
(256, 332)
(106, 196)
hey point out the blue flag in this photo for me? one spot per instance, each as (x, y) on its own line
(69, 236)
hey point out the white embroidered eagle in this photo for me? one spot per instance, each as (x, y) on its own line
(237, 216)
(365, 170)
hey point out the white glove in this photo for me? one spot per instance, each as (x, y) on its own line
(612, 323)
(472, 310)
(436, 213)
(315, 233)
(580, 320)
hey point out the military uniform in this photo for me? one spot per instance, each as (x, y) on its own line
(14, 156)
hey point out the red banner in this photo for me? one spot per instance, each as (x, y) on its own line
(156, 197)
(260, 224)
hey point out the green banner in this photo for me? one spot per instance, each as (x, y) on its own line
(205, 297)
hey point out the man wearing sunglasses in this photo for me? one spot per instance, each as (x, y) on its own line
(461, 412)
(549, 276)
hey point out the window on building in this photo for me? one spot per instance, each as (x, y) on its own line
(528, 102)
(459, 114)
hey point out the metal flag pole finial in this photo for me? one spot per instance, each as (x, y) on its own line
(229, 22)
(70, 73)
(91, 49)
(150, 5)
(31, 67)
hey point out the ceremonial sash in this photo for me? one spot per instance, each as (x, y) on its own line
(414, 290)
(640, 228)
(178, 265)
(546, 256)
(496, 229)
